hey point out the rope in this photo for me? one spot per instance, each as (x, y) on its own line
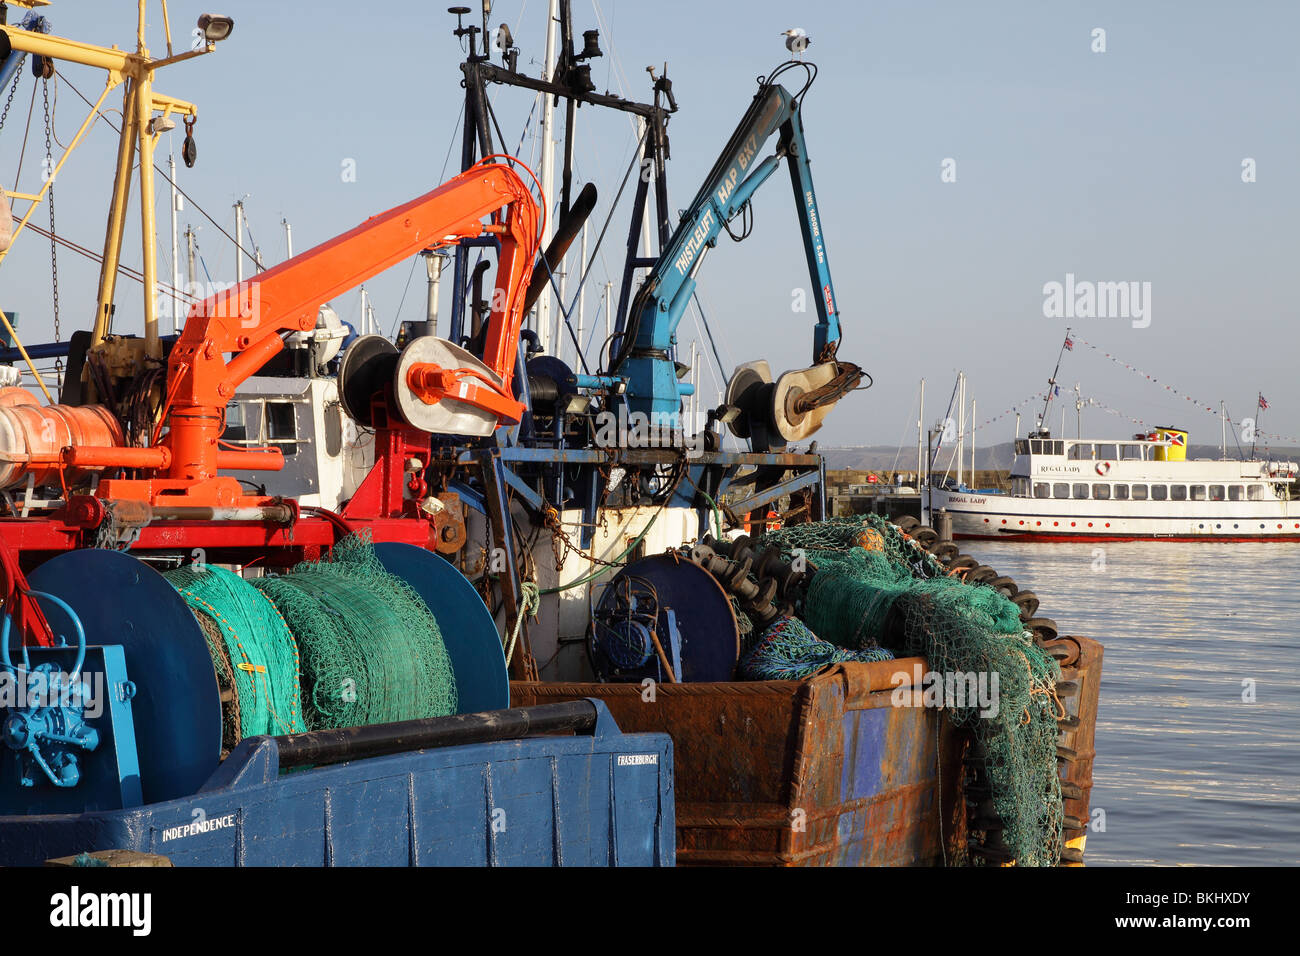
(532, 601)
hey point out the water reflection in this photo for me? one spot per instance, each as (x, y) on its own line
(1188, 772)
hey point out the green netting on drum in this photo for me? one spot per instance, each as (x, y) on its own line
(258, 657)
(371, 648)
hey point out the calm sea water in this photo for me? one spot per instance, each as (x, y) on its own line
(1186, 771)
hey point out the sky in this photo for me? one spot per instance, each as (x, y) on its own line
(965, 156)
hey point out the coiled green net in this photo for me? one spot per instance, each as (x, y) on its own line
(371, 649)
(874, 587)
(257, 659)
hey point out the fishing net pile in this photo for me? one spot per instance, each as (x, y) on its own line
(338, 642)
(874, 592)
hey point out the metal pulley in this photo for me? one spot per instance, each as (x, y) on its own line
(189, 150)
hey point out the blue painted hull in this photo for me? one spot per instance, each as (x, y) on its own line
(599, 800)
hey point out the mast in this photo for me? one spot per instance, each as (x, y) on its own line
(972, 441)
(176, 262)
(920, 436)
(1051, 384)
(582, 298)
(961, 423)
(1223, 423)
(239, 231)
(191, 283)
(548, 167)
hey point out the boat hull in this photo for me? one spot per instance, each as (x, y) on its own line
(1001, 517)
(598, 799)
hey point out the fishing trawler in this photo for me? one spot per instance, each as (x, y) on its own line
(552, 672)
(1144, 487)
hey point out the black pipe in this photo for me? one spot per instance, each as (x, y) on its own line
(351, 743)
(569, 228)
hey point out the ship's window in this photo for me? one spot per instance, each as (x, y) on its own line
(1060, 490)
(1139, 492)
(1080, 490)
(1058, 448)
(1236, 492)
(1255, 492)
(333, 429)
(1130, 452)
(1178, 492)
(1042, 489)
(1216, 492)
(1101, 491)
(1035, 447)
(1107, 452)
(1121, 492)
(236, 426)
(1081, 452)
(281, 427)
(1196, 492)
(1022, 446)
(1159, 492)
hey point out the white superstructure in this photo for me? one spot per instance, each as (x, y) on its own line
(1138, 488)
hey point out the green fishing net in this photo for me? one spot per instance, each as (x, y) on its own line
(875, 588)
(253, 651)
(371, 649)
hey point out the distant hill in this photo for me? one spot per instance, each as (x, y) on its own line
(991, 457)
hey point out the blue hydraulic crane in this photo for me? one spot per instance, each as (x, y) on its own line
(643, 354)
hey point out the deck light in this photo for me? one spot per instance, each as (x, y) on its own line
(215, 28)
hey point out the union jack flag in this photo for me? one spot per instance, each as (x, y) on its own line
(1263, 402)
(1069, 343)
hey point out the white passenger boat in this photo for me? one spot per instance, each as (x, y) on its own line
(1139, 488)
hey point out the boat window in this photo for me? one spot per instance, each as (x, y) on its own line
(1139, 492)
(1159, 492)
(1035, 447)
(1022, 446)
(1255, 492)
(1121, 492)
(1101, 491)
(1060, 490)
(1058, 448)
(333, 429)
(1178, 492)
(1081, 452)
(236, 425)
(1236, 492)
(281, 427)
(1080, 490)
(1042, 489)
(1217, 492)
(1107, 452)
(1196, 492)
(1130, 452)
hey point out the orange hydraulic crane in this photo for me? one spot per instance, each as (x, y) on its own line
(251, 319)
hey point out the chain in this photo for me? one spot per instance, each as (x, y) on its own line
(18, 76)
(54, 246)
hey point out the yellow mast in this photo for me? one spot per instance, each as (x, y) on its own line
(145, 114)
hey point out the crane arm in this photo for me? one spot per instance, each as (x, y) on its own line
(249, 321)
(735, 177)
